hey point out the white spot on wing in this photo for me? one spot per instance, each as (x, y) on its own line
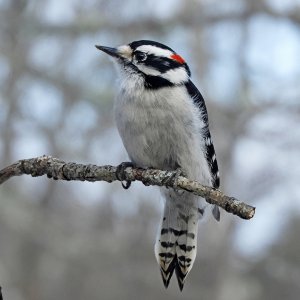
(208, 141)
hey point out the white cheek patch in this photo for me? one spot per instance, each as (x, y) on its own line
(176, 76)
(148, 70)
(155, 50)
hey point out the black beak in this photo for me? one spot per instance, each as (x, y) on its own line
(110, 51)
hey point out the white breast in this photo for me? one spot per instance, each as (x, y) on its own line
(162, 129)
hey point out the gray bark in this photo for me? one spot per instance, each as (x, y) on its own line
(60, 170)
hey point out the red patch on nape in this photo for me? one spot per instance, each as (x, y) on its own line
(178, 58)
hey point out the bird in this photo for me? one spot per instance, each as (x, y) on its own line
(162, 119)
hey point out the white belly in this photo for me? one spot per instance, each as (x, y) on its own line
(161, 131)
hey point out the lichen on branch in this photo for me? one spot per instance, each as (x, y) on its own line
(60, 170)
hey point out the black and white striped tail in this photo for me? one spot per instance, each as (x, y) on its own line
(175, 248)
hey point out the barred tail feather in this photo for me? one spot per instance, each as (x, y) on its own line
(175, 248)
(165, 252)
(186, 248)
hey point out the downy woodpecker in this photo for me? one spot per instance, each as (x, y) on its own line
(162, 119)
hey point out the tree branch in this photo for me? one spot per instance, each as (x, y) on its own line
(58, 169)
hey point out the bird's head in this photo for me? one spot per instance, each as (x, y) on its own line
(156, 64)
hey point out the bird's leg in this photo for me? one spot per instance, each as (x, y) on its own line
(120, 173)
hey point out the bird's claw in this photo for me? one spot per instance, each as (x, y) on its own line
(120, 174)
(174, 177)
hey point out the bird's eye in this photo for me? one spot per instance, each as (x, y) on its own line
(140, 56)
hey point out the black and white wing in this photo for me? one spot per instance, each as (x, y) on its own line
(209, 146)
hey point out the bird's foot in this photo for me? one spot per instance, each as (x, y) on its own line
(120, 173)
(171, 181)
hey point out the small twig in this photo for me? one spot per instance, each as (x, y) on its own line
(58, 169)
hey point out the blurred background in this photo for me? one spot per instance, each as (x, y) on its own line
(74, 240)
